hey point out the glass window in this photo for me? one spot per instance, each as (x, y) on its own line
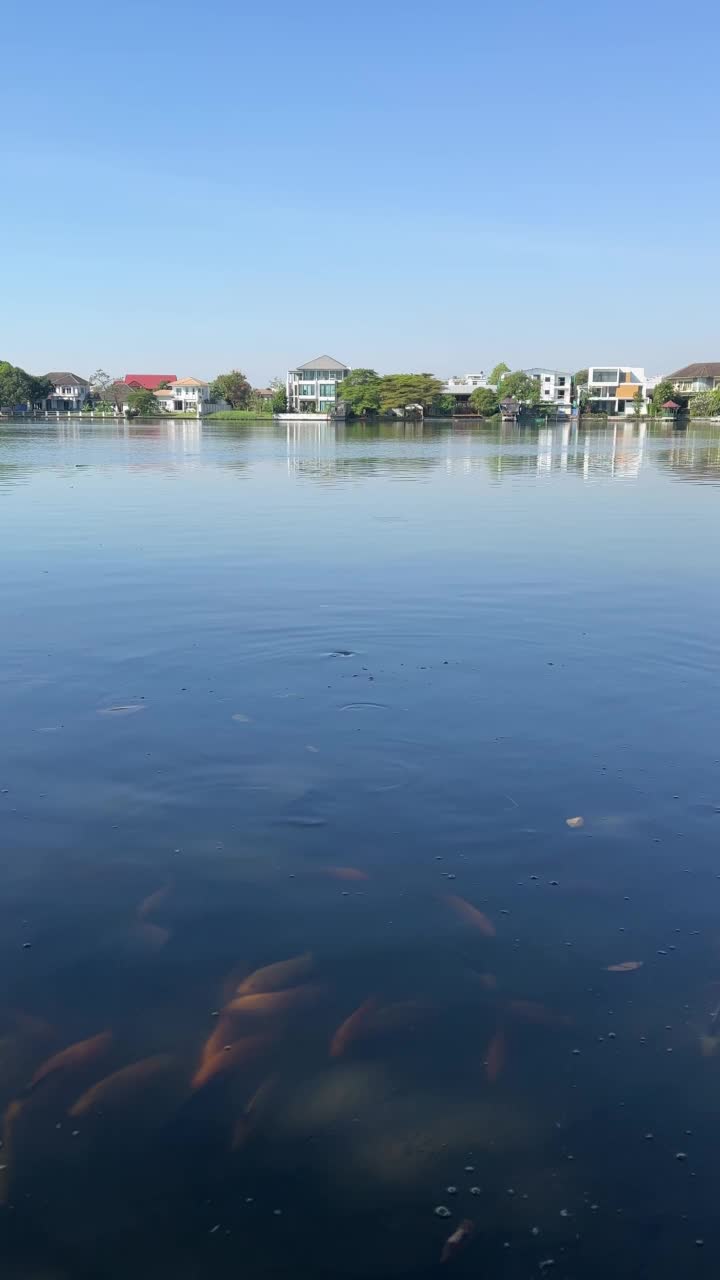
(605, 375)
(326, 389)
(307, 389)
(547, 377)
(308, 375)
(561, 382)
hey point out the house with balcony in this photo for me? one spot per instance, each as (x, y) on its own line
(617, 390)
(696, 377)
(69, 392)
(314, 387)
(461, 387)
(187, 395)
(555, 388)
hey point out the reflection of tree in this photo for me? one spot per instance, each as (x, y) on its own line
(693, 457)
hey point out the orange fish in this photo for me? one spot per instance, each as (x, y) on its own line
(352, 1027)
(346, 873)
(224, 1034)
(495, 1058)
(153, 901)
(530, 1011)
(459, 1237)
(470, 914)
(268, 1003)
(10, 1119)
(227, 1060)
(627, 966)
(74, 1057)
(274, 977)
(121, 1086)
(253, 1110)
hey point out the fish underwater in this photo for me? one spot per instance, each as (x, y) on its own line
(76, 1056)
(275, 977)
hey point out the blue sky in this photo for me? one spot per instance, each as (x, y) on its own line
(189, 188)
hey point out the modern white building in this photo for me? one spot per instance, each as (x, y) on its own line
(313, 387)
(69, 392)
(617, 390)
(187, 395)
(555, 388)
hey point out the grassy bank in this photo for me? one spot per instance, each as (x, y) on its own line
(239, 415)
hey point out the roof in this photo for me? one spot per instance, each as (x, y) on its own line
(163, 393)
(189, 382)
(562, 373)
(322, 362)
(628, 390)
(58, 378)
(671, 404)
(148, 381)
(708, 370)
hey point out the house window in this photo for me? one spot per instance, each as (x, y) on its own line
(605, 375)
(561, 395)
(547, 377)
(561, 382)
(326, 389)
(307, 389)
(308, 376)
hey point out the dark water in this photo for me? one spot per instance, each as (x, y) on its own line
(314, 688)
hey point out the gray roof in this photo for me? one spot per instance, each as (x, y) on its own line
(323, 362)
(709, 370)
(69, 378)
(563, 373)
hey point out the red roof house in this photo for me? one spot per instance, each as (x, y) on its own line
(148, 381)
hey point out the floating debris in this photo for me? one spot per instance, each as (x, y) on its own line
(574, 822)
(627, 966)
(442, 1211)
(128, 709)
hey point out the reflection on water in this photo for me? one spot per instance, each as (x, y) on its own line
(298, 945)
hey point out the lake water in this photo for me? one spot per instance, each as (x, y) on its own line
(272, 693)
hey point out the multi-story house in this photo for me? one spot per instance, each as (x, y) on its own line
(187, 395)
(69, 392)
(313, 387)
(616, 390)
(555, 387)
(696, 377)
(461, 388)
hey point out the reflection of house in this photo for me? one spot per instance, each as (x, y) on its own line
(186, 395)
(696, 377)
(616, 389)
(555, 387)
(69, 392)
(312, 387)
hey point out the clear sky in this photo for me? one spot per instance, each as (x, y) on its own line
(406, 185)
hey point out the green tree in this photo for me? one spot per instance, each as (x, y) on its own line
(443, 406)
(16, 386)
(279, 400)
(485, 401)
(498, 373)
(706, 404)
(519, 386)
(142, 402)
(232, 387)
(581, 378)
(662, 392)
(361, 391)
(401, 390)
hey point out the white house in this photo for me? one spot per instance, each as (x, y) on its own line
(69, 392)
(617, 389)
(313, 387)
(187, 395)
(555, 387)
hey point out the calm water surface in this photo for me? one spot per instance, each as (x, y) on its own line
(271, 694)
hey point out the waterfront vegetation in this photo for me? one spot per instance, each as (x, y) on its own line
(243, 415)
